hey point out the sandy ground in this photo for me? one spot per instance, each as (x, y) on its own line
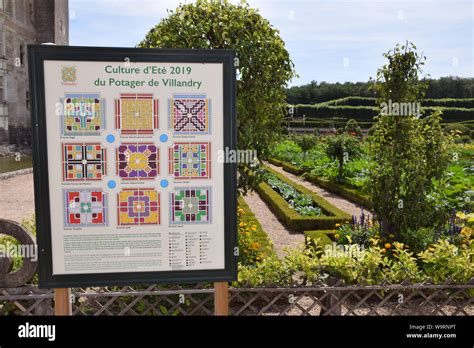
(339, 202)
(17, 199)
(281, 237)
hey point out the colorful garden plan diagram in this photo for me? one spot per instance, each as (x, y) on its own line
(136, 161)
(190, 113)
(190, 205)
(137, 167)
(190, 160)
(83, 114)
(84, 161)
(136, 113)
(85, 207)
(138, 207)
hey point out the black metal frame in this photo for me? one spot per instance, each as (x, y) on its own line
(37, 54)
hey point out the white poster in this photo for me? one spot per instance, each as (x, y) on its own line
(134, 181)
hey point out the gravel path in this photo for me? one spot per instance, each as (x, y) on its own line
(341, 203)
(17, 200)
(281, 237)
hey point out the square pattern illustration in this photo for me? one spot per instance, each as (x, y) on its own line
(85, 207)
(137, 161)
(83, 114)
(190, 206)
(189, 113)
(138, 207)
(136, 113)
(85, 161)
(190, 160)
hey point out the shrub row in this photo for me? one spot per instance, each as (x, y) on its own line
(367, 113)
(350, 194)
(353, 101)
(338, 123)
(290, 218)
(368, 101)
(359, 113)
(290, 168)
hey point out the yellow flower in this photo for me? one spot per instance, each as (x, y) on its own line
(387, 245)
(383, 250)
(398, 245)
(242, 224)
(336, 236)
(337, 225)
(391, 236)
(461, 215)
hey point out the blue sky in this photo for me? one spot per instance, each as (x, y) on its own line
(330, 40)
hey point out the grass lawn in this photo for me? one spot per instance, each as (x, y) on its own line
(9, 164)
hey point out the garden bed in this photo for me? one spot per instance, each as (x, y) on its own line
(350, 194)
(292, 219)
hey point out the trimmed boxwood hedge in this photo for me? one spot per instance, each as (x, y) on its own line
(369, 101)
(288, 167)
(290, 218)
(275, 161)
(367, 113)
(350, 194)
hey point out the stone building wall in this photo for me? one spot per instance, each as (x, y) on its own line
(24, 22)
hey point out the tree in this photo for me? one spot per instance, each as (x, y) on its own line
(306, 143)
(408, 152)
(342, 148)
(263, 67)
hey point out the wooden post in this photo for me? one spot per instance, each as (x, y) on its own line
(62, 301)
(221, 298)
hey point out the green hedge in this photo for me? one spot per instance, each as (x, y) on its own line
(290, 218)
(368, 101)
(367, 113)
(318, 238)
(350, 194)
(275, 161)
(452, 114)
(336, 122)
(290, 168)
(450, 102)
(353, 101)
(359, 113)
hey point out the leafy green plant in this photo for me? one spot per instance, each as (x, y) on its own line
(359, 234)
(306, 143)
(286, 150)
(443, 261)
(418, 239)
(342, 148)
